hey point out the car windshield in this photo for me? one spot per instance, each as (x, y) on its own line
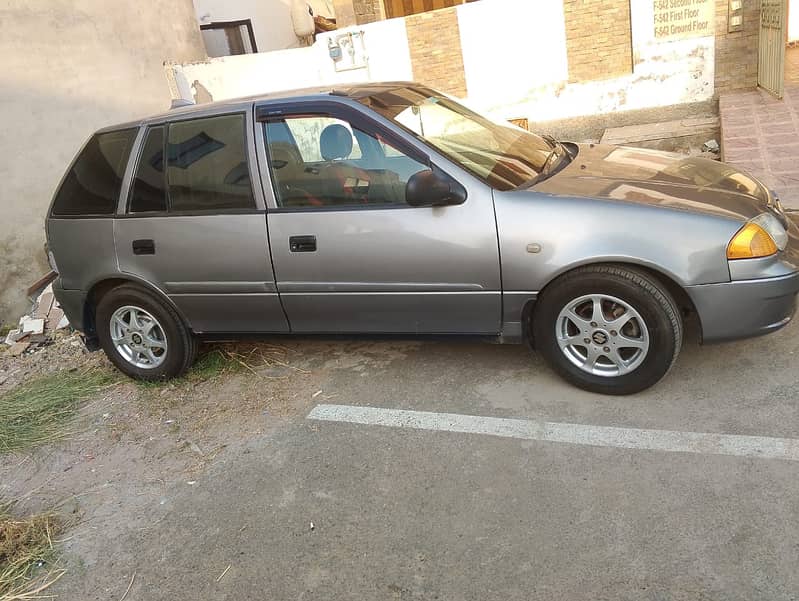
(503, 155)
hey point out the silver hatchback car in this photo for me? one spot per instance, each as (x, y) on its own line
(392, 209)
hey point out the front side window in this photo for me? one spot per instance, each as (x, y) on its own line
(323, 161)
(206, 165)
(93, 183)
(504, 156)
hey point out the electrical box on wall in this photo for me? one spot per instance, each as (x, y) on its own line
(348, 51)
(735, 15)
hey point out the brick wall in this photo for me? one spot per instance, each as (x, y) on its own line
(434, 41)
(598, 38)
(368, 11)
(736, 53)
(358, 12)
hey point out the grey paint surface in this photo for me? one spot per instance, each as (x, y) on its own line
(215, 268)
(84, 250)
(395, 312)
(688, 247)
(438, 270)
(745, 307)
(413, 252)
(68, 69)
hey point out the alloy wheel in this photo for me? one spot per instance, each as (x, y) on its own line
(602, 335)
(138, 337)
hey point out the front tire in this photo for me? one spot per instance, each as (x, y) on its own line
(608, 329)
(143, 336)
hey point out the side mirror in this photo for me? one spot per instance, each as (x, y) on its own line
(433, 188)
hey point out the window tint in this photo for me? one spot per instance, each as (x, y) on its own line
(149, 189)
(502, 155)
(92, 185)
(329, 162)
(207, 165)
(307, 133)
(389, 151)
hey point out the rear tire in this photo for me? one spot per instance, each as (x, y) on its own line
(608, 329)
(143, 336)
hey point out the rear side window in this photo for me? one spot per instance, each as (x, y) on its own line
(148, 192)
(92, 185)
(207, 165)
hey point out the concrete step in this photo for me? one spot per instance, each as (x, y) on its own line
(666, 135)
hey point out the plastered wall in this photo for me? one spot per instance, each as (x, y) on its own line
(69, 68)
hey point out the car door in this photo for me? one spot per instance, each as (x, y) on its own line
(195, 227)
(350, 255)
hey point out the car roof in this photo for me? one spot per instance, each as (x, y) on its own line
(354, 91)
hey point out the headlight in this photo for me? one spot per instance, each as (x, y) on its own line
(760, 237)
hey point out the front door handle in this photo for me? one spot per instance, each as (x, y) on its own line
(302, 244)
(144, 247)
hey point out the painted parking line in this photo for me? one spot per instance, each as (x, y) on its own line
(703, 443)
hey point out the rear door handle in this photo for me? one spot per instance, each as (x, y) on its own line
(144, 247)
(302, 244)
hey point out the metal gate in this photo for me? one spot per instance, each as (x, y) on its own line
(771, 50)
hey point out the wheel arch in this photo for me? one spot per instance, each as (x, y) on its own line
(664, 278)
(103, 285)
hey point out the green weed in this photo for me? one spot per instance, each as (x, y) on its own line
(39, 411)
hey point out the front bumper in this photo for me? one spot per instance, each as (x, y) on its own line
(745, 308)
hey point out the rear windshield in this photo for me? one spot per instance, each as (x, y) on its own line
(92, 185)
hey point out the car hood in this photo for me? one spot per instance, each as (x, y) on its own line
(657, 178)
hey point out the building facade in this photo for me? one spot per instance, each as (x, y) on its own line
(542, 60)
(233, 27)
(70, 68)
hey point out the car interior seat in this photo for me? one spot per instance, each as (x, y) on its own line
(290, 176)
(345, 182)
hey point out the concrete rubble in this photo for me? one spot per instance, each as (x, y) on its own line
(39, 326)
(711, 146)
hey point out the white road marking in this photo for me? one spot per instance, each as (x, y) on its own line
(704, 443)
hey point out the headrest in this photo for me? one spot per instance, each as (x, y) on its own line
(335, 142)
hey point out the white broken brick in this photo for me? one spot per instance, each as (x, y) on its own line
(54, 318)
(33, 326)
(43, 306)
(63, 323)
(13, 336)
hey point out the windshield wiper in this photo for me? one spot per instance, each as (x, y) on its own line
(550, 167)
(559, 152)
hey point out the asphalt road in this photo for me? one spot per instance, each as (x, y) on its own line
(325, 510)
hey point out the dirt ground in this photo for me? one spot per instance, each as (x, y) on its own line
(133, 442)
(221, 487)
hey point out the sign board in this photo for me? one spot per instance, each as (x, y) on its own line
(680, 19)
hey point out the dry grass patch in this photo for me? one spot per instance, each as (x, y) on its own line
(28, 557)
(219, 360)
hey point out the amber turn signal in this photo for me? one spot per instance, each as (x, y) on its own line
(750, 242)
